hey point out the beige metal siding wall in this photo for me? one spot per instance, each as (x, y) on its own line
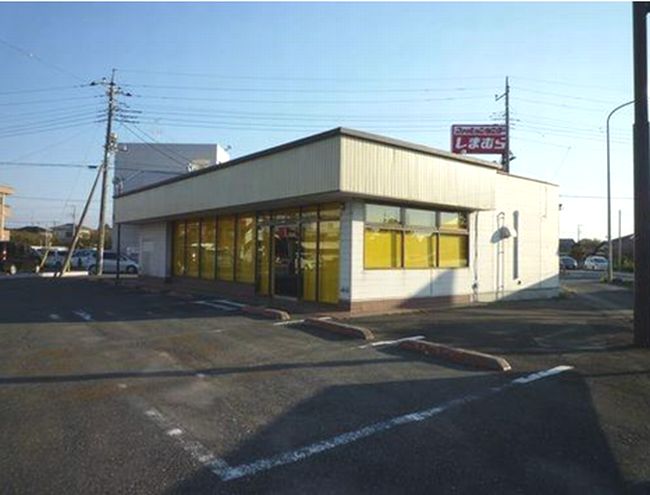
(383, 171)
(309, 169)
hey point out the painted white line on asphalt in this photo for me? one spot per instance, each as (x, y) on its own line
(174, 432)
(54, 316)
(391, 342)
(194, 448)
(227, 473)
(288, 322)
(217, 306)
(83, 315)
(231, 303)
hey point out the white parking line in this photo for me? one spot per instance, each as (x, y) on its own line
(54, 316)
(83, 315)
(391, 342)
(227, 473)
(231, 303)
(222, 307)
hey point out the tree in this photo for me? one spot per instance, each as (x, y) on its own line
(584, 248)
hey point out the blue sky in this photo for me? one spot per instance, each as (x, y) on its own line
(253, 75)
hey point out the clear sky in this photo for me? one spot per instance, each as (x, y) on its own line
(252, 75)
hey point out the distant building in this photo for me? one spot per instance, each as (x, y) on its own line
(5, 211)
(65, 232)
(626, 243)
(565, 246)
(141, 164)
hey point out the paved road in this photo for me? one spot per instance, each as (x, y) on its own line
(115, 390)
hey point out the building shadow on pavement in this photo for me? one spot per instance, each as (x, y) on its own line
(544, 438)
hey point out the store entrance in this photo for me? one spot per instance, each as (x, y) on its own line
(286, 266)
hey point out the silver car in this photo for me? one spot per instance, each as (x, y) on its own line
(597, 263)
(127, 265)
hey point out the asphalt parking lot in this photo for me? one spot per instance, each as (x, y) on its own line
(116, 390)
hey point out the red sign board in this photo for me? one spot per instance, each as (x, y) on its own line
(479, 139)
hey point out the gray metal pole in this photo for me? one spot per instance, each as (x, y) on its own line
(107, 151)
(610, 252)
(641, 179)
(620, 243)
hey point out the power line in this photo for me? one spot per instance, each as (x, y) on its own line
(154, 147)
(38, 59)
(49, 129)
(158, 143)
(38, 102)
(292, 78)
(312, 101)
(40, 90)
(302, 90)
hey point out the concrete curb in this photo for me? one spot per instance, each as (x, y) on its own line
(457, 355)
(341, 328)
(274, 314)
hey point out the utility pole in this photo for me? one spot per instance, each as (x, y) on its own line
(620, 242)
(75, 239)
(579, 230)
(641, 177)
(505, 159)
(108, 145)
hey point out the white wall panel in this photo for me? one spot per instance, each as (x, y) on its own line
(383, 171)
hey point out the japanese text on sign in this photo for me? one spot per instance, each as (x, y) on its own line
(479, 139)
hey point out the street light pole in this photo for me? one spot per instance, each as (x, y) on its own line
(610, 256)
(641, 178)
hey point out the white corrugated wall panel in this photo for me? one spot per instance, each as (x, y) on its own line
(309, 169)
(383, 171)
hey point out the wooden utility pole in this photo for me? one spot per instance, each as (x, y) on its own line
(75, 239)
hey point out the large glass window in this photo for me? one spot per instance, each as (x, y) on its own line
(226, 248)
(245, 249)
(419, 218)
(382, 214)
(263, 259)
(398, 237)
(383, 248)
(453, 250)
(192, 269)
(179, 248)
(208, 247)
(309, 240)
(419, 250)
(328, 260)
(453, 220)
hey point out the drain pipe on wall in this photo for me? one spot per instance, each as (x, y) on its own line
(475, 286)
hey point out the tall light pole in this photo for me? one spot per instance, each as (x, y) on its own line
(610, 256)
(641, 178)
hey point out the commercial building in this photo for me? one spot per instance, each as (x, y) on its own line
(5, 211)
(351, 220)
(141, 164)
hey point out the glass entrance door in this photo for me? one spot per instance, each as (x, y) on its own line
(286, 266)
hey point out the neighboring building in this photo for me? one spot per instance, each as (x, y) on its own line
(64, 233)
(565, 246)
(5, 211)
(141, 164)
(626, 244)
(351, 219)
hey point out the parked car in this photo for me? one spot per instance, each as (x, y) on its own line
(127, 265)
(568, 263)
(83, 258)
(598, 263)
(16, 257)
(55, 257)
